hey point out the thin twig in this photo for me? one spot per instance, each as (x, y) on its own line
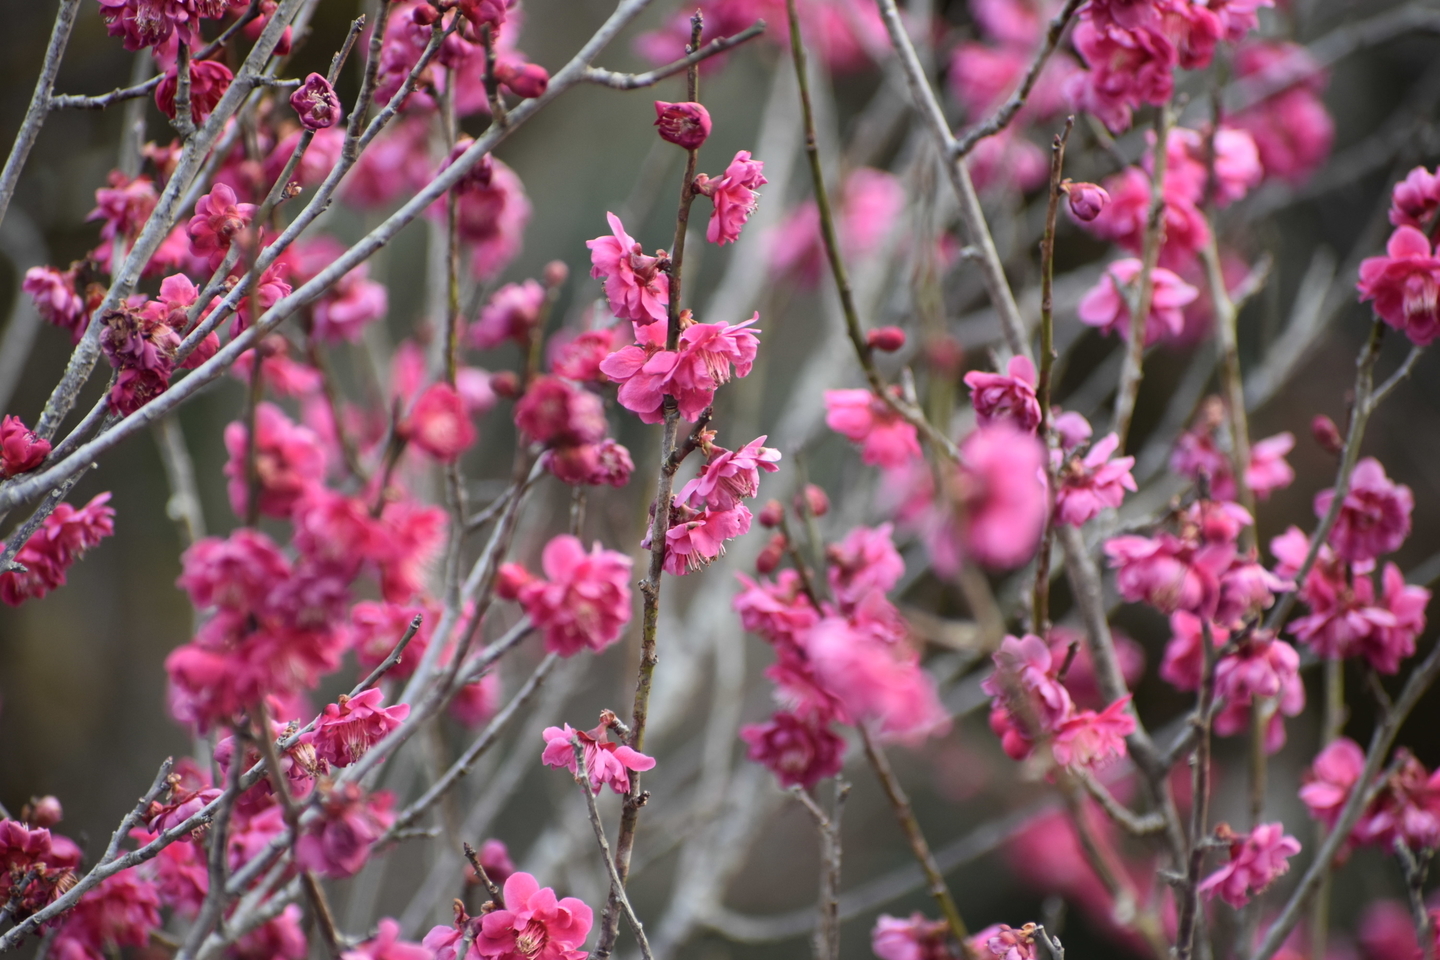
(1188, 894)
(617, 885)
(39, 103)
(827, 927)
(634, 81)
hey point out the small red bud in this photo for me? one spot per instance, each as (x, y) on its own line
(510, 578)
(425, 15)
(771, 555)
(772, 514)
(527, 80)
(812, 500)
(945, 354)
(1087, 200)
(556, 273)
(43, 812)
(888, 339)
(505, 384)
(1323, 429)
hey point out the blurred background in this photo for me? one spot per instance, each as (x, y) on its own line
(82, 685)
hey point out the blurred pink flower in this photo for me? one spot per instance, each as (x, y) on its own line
(1106, 305)
(1405, 285)
(886, 439)
(606, 763)
(439, 424)
(584, 600)
(800, 751)
(1007, 396)
(1374, 518)
(338, 844)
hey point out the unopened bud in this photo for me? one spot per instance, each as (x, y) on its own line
(945, 355)
(43, 812)
(510, 578)
(1086, 200)
(888, 339)
(505, 384)
(683, 124)
(555, 274)
(1323, 429)
(771, 555)
(527, 80)
(425, 15)
(812, 500)
(316, 103)
(772, 514)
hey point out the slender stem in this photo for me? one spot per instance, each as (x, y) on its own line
(1189, 892)
(184, 505)
(1330, 730)
(184, 121)
(1132, 370)
(827, 928)
(1414, 867)
(634, 81)
(919, 848)
(39, 103)
(617, 885)
(1231, 381)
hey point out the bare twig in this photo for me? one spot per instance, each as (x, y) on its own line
(39, 103)
(634, 81)
(617, 885)
(827, 927)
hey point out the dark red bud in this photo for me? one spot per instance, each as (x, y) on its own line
(772, 514)
(888, 339)
(1323, 429)
(505, 384)
(771, 555)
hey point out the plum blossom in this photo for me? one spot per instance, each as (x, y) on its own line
(64, 537)
(910, 938)
(121, 912)
(1010, 395)
(697, 538)
(730, 476)
(1124, 219)
(1092, 740)
(733, 195)
(691, 374)
(869, 206)
(887, 439)
(316, 103)
(338, 844)
(1405, 285)
(1106, 305)
(683, 124)
(1091, 484)
(799, 750)
(1257, 858)
(511, 314)
(1331, 777)
(219, 219)
(1087, 200)
(438, 423)
(289, 461)
(557, 413)
(878, 683)
(1182, 572)
(534, 925)
(24, 848)
(387, 945)
(1007, 943)
(1414, 199)
(1003, 495)
(55, 299)
(1374, 517)
(606, 763)
(1261, 669)
(584, 602)
(1127, 68)
(1028, 660)
(635, 285)
(865, 561)
(209, 79)
(21, 450)
(351, 725)
(578, 358)
(1407, 809)
(1292, 129)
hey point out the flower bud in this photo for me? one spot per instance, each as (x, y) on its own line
(771, 555)
(1086, 200)
(424, 15)
(527, 80)
(510, 578)
(772, 514)
(43, 812)
(316, 103)
(505, 384)
(555, 274)
(945, 354)
(1323, 429)
(683, 124)
(888, 339)
(812, 500)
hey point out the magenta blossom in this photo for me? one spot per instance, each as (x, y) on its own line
(1092, 740)
(865, 561)
(696, 539)
(691, 374)
(511, 314)
(1093, 483)
(53, 293)
(1106, 305)
(1256, 860)
(1331, 777)
(878, 683)
(733, 195)
(209, 79)
(683, 124)
(558, 413)
(352, 725)
(338, 844)
(64, 537)
(218, 220)
(583, 603)
(605, 762)
(636, 287)
(1004, 495)
(1414, 199)
(1028, 663)
(316, 103)
(439, 424)
(1374, 518)
(730, 476)
(1405, 285)
(1261, 669)
(912, 938)
(21, 450)
(1087, 200)
(387, 945)
(1007, 396)
(534, 925)
(289, 462)
(800, 751)
(886, 439)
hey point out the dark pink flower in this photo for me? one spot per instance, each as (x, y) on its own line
(1414, 199)
(605, 762)
(683, 124)
(1004, 495)
(1374, 517)
(584, 603)
(877, 682)
(636, 287)
(1028, 660)
(21, 450)
(1184, 654)
(534, 924)
(886, 439)
(439, 423)
(560, 414)
(25, 849)
(865, 561)
(495, 858)
(730, 476)
(800, 751)
(1331, 777)
(237, 573)
(338, 844)
(1092, 740)
(733, 195)
(1407, 809)
(1256, 859)
(912, 938)
(1127, 68)
(1087, 200)
(148, 23)
(691, 374)
(375, 628)
(121, 912)
(1292, 129)
(280, 939)
(1106, 305)
(1007, 943)
(1182, 572)
(1008, 396)
(1124, 219)
(350, 726)
(476, 702)
(387, 945)
(316, 103)
(492, 219)
(218, 220)
(579, 358)
(65, 536)
(779, 611)
(1262, 668)
(209, 80)
(1405, 285)
(511, 314)
(591, 464)
(53, 293)
(1093, 483)
(289, 461)
(1268, 470)
(695, 539)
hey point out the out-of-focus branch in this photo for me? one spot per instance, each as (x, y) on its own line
(634, 81)
(827, 927)
(184, 504)
(39, 103)
(1188, 892)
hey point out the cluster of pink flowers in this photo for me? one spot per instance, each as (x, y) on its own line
(1088, 481)
(1406, 808)
(690, 374)
(29, 849)
(1257, 858)
(605, 762)
(64, 537)
(584, 600)
(1198, 451)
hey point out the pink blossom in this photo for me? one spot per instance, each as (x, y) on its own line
(1092, 484)
(733, 195)
(316, 103)
(1407, 809)
(1007, 943)
(1184, 661)
(636, 287)
(1256, 860)
(387, 945)
(865, 561)
(591, 464)
(1388, 645)
(1072, 430)
(585, 602)
(878, 683)
(344, 310)
(26, 848)
(1124, 219)
(694, 540)
(1169, 573)
(579, 357)
(209, 79)
(1127, 68)
(779, 611)
(1268, 471)
(1414, 199)
(691, 374)
(1093, 740)
(218, 220)
(55, 299)
(492, 220)
(1087, 200)
(1333, 775)
(534, 925)
(683, 124)
(1106, 305)
(869, 207)
(237, 573)
(21, 450)
(1008, 396)
(800, 751)
(1405, 285)
(495, 858)
(289, 461)
(511, 314)
(398, 160)
(1028, 660)
(730, 476)
(439, 424)
(121, 912)
(912, 938)
(124, 205)
(338, 844)
(1004, 496)
(560, 414)
(375, 628)
(182, 877)
(351, 725)
(476, 702)
(887, 439)
(606, 763)
(1374, 517)
(1387, 931)
(525, 80)
(64, 537)
(148, 23)
(1262, 668)
(1292, 129)
(1236, 164)
(1008, 161)
(278, 939)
